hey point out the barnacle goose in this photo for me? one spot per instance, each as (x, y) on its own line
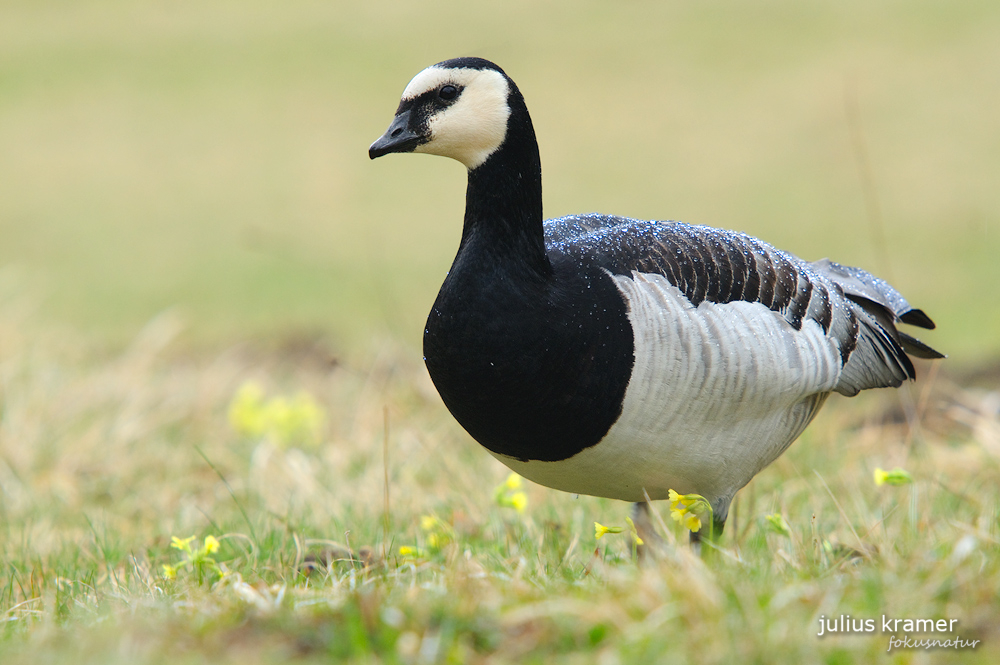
(623, 358)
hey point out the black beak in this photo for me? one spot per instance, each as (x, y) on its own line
(398, 138)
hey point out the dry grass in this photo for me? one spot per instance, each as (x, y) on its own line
(104, 456)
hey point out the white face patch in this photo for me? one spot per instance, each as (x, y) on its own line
(471, 129)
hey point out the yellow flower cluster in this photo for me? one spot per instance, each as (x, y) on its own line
(438, 532)
(508, 494)
(895, 477)
(197, 559)
(687, 509)
(285, 421)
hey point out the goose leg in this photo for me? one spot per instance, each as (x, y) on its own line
(651, 541)
(718, 524)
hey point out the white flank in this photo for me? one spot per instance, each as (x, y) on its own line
(471, 129)
(717, 392)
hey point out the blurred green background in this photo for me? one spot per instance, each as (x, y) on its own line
(211, 155)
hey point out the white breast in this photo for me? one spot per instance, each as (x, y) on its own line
(717, 392)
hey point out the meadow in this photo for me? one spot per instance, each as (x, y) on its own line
(211, 306)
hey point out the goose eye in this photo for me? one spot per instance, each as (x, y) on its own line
(448, 93)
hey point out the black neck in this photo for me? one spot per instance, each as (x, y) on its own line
(533, 362)
(503, 202)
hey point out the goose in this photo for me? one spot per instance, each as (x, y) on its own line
(624, 358)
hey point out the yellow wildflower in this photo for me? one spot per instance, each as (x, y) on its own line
(777, 523)
(678, 506)
(284, 421)
(895, 477)
(633, 531)
(170, 572)
(880, 476)
(506, 495)
(692, 522)
(246, 412)
(439, 532)
(211, 545)
(297, 420)
(600, 530)
(181, 544)
(519, 501)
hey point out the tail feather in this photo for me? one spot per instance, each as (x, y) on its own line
(916, 348)
(880, 357)
(916, 317)
(877, 361)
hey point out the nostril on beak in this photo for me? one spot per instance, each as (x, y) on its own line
(396, 132)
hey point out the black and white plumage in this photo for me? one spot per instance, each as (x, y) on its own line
(623, 358)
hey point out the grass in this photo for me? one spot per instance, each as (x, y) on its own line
(186, 205)
(104, 458)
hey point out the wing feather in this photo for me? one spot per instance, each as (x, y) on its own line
(854, 308)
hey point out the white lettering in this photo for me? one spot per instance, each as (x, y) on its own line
(907, 643)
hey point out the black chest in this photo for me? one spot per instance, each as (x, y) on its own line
(533, 368)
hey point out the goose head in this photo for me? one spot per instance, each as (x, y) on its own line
(457, 108)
